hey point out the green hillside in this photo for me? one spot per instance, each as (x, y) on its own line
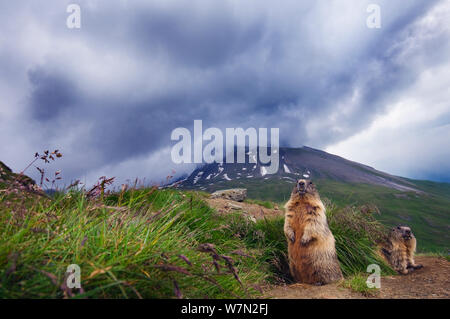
(428, 214)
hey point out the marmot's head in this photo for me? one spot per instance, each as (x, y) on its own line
(402, 232)
(305, 186)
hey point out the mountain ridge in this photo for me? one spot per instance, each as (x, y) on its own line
(295, 161)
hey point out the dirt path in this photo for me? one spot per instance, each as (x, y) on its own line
(432, 281)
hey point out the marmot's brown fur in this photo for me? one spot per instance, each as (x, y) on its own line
(311, 245)
(400, 249)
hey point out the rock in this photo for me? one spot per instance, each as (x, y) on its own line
(5, 171)
(7, 175)
(232, 206)
(236, 194)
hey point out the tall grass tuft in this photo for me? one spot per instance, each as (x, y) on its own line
(149, 246)
(357, 234)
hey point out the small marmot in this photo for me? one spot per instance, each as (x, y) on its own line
(400, 249)
(311, 245)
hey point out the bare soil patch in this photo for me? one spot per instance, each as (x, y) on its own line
(430, 282)
(224, 206)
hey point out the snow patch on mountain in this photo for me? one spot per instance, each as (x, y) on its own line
(286, 169)
(263, 170)
(197, 177)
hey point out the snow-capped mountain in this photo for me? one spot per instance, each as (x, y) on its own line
(293, 163)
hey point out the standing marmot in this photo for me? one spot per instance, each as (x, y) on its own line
(311, 249)
(400, 249)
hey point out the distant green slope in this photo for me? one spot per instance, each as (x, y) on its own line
(428, 214)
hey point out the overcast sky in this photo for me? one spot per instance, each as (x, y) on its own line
(109, 94)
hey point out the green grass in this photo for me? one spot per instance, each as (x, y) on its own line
(358, 284)
(121, 250)
(148, 243)
(357, 234)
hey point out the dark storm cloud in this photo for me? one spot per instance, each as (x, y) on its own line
(194, 41)
(135, 71)
(51, 94)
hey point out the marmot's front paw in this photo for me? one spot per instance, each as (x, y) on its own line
(291, 236)
(319, 283)
(414, 267)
